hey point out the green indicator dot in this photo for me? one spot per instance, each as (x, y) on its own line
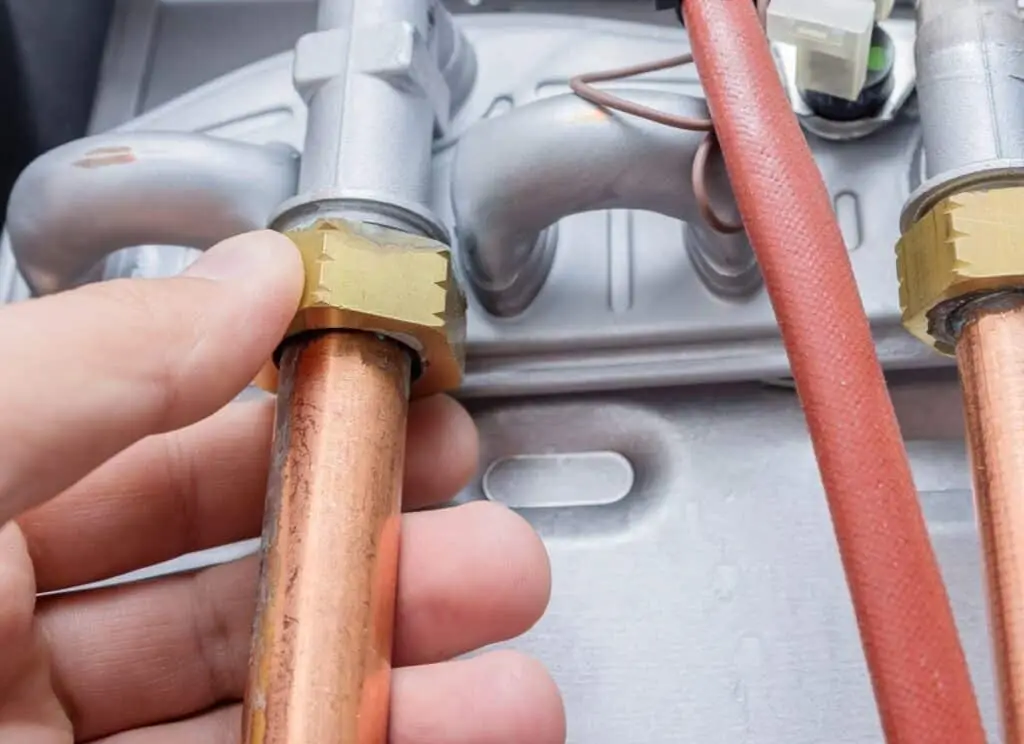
(877, 59)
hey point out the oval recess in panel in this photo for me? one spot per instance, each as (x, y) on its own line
(847, 208)
(553, 481)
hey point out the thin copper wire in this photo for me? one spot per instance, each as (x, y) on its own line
(990, 352)
(582, 85)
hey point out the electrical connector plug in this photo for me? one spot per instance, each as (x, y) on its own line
(832, 40)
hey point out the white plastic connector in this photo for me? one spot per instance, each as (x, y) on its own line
(832, 40)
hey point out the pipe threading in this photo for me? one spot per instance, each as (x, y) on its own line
(917, 666)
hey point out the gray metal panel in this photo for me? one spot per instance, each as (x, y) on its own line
(709, 605)
(228, 39)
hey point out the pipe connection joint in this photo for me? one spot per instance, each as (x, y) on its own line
(364, 277)
(965, 246)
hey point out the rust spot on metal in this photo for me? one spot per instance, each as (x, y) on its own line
(589, 115)
(101, 157)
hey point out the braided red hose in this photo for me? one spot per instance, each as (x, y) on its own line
(918, 670)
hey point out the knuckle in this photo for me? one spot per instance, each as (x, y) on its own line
(182, 480)
(212, 636)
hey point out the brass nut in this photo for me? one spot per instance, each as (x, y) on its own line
(369, 278)
(967, 244)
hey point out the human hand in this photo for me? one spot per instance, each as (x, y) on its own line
(121, 449)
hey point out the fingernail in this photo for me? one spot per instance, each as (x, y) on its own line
(241, 256)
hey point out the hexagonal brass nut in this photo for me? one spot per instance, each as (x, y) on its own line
(370, 278)
(966, 244)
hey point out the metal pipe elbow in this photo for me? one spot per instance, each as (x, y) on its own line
(456, 56)
(515, 176)
(84, 200)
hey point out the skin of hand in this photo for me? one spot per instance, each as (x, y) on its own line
(122, 447)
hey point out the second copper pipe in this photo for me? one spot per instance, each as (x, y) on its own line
(321, 661)
(990, 353)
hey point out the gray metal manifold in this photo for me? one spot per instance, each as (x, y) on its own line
(577, 232)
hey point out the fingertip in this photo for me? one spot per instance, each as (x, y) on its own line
(262, 273)
(533, 693)
(531, 582)
(470, 576)
(262, 261)
(500, 697)
(442, 453)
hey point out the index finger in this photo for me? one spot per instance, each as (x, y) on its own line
(90, 371)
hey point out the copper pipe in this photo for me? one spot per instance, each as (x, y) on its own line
(321, 662)
(990, 352)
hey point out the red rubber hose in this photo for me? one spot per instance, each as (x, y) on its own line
(918, 670)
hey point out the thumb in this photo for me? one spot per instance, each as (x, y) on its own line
(100, 367)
